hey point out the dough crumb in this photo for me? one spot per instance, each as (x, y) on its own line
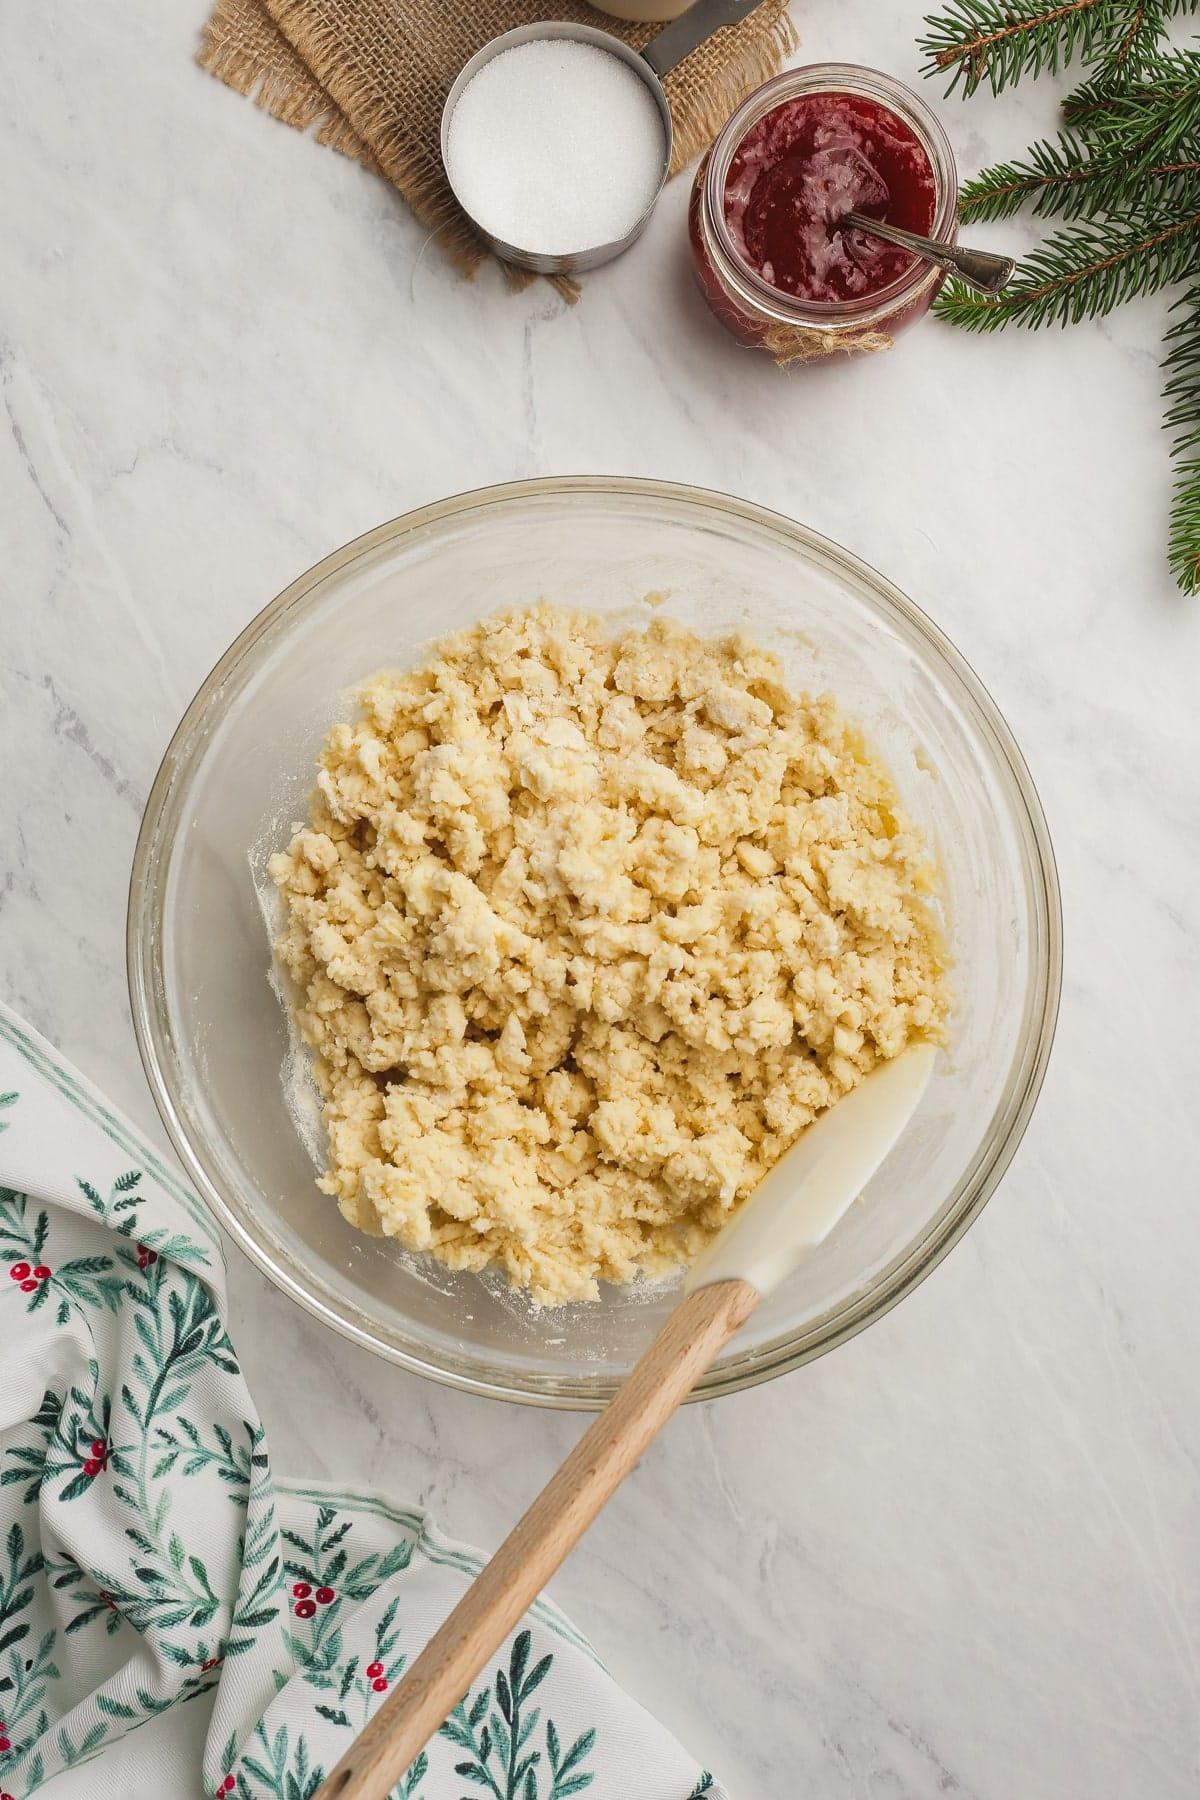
(586, 930)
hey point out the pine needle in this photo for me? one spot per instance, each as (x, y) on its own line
(1181, 391)
(1059, 178)
(1124, 175)
(996, 42)
(1081, 273)
(1156, 114)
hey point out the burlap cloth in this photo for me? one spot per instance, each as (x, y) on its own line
(370, 77)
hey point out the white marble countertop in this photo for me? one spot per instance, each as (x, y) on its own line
(962, 1554)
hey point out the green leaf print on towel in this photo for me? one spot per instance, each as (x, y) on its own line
(233, 1462)
(497, 1737)
(24, 1677)
(120, 1212)
(149, 1556)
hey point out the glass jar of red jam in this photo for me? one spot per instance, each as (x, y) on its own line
(773, 260)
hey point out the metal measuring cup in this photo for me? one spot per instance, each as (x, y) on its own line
(660, 56)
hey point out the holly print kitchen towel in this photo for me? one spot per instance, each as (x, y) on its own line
(155, 1571)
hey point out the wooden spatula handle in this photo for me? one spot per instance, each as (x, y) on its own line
(684, 1348)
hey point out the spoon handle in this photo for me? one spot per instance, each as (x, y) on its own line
(688, 1343)
(691, 28)
(980, 269)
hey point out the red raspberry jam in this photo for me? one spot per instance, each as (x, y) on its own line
(772, 255)
(800, 170)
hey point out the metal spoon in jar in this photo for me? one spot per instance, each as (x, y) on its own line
(982, 270)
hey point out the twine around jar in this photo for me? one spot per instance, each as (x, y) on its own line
(790, 344)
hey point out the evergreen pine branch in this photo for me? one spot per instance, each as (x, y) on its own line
(1128, 52)
(1081, 273)
(1125, 172)
(1058, 177)
(1155, 118)
(999, 41)
(1182, 394)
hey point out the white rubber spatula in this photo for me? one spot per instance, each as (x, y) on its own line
(789, 1213)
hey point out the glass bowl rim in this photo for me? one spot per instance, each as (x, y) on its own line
(144, 942)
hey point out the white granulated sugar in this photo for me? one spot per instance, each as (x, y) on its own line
(556, 147)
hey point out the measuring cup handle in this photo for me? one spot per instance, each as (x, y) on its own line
(690, 29)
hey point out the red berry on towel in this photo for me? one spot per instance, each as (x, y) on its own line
(28, 1287)
(92, 1466)
(99, 1446)
(19, 1271)
(325, 1595)
(379, 1684)
(42, 1272)
(301, 1589)
(375, 1668)
(305, 1609)
(5, 1744)
(228, 1785)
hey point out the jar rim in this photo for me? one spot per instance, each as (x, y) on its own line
(838, 78)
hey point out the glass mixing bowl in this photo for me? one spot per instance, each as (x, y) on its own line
(213, 1035)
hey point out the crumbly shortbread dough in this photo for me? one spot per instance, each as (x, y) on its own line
(586, 931)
